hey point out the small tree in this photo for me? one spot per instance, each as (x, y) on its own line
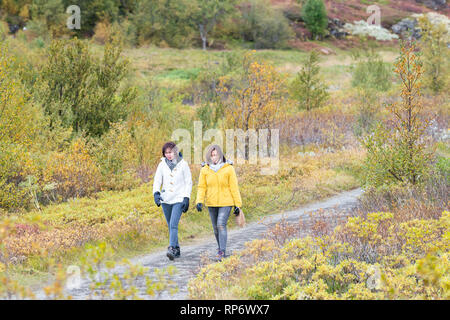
(263, 24)
(400, 156)
(307, 88)
(370, 71)
(17, 130)
(208, 13)
(206, 87)
(84, 92)
(314, 14)
(367, 107)
(434, 46)
(51, 14)
(253, 102)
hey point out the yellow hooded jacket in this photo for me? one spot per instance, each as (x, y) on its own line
(220, 188)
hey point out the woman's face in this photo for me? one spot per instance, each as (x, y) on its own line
(214, 156)
(169, 154)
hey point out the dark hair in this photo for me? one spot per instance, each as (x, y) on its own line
(167, 145)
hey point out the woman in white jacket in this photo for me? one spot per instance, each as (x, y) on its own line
(174, 176)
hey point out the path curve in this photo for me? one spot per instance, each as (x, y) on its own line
(191, 254)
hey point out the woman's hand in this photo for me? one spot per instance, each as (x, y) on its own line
(157, 197)
(185, 204)
(199, 207)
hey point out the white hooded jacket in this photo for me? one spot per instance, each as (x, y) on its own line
(176, 184)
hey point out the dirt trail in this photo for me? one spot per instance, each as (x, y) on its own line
(191, 254)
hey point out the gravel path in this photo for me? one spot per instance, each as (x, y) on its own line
(191, 254)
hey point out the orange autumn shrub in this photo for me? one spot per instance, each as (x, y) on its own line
(74, 171)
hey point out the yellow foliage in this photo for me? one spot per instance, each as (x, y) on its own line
(257, 103)
(74, 171)
(329, 267)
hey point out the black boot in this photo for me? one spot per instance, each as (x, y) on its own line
(171, 253)
(177, 252)
(220, 255)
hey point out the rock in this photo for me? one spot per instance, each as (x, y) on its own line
(326, 51)
(336, 28)
(188, 101)
(13, 28)
(407, 28)
(434, 4)
(362, 28)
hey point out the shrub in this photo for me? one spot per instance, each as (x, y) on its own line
(367, 257)
(308, 88)
(434, 46)
(265, 26)
(4, 30)
(102, 32)
(367, 110)
(254, 100)
(164, 22)
(314, 15)
(16, 133)
(48, 19)
(117, 157)
(81, 91)
(401, 156)
(370, 72)
(74, 171)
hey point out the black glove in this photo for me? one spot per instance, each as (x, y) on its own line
(185, 204)
(157, 197)
(236, 211)
(199, 206)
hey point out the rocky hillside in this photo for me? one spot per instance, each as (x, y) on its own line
(392, 11)
(395, 17)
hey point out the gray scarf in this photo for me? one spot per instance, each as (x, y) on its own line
(217, 166)
(173, 163)
(219, 163)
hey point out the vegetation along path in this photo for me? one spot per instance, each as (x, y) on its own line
(191, 255)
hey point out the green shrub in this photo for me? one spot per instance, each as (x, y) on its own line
(265, 26)
(314, 14)
(82, 91)
(308, 88)
(401, 155)
(17, 129)
(4, 30)
(436, 56)
(370, 72)
(367, 110)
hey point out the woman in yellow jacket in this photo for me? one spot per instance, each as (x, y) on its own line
(218, 190)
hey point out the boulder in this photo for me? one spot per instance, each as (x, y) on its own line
(326, 51)
(336, 28)
(407, 28)
(13, 28)
(434, 4)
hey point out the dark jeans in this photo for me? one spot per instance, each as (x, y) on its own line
(219, 218)
(172, 212)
